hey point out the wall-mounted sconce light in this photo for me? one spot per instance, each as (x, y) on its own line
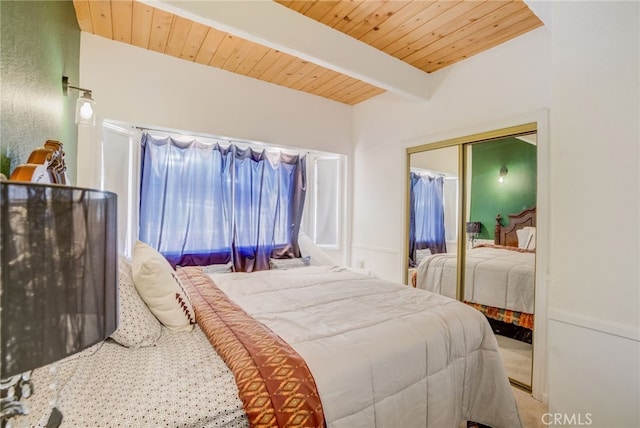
(503, 172)
(85, 112)
(473, 230)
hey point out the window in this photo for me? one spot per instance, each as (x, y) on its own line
(203, 204)
(325, 200)
(120, 159)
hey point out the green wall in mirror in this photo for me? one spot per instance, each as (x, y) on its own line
(517, 192)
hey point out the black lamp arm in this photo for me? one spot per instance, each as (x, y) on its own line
(66, 86)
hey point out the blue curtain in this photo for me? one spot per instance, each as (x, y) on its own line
(426, 222)
(204, 204)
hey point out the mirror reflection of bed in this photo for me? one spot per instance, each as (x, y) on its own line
(498, 251)
(499, 282)
(508, 298)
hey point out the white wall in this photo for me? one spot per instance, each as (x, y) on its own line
(585, 71)
(444, 160)
(595, 120)
(144, 88)
(594, 289)
(477, 95)
(507, 86)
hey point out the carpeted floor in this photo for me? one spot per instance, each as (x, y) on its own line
(531, 411)
(516, 356)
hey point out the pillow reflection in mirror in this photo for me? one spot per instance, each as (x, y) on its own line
(531, 239)
(527, 238)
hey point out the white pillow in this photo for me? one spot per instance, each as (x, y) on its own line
(421, 255)
(160, 288)
(219, 268)
(137, 326)
(523, 236)
(527, 238)
(318, 256)
(284, 264)
(531, 239)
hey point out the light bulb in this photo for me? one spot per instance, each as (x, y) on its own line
(86, 111)
(503, 172)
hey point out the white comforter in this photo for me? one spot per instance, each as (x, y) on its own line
(382, 354)
(493, 276)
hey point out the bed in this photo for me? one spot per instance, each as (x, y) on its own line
(499, 277)
(339, 348)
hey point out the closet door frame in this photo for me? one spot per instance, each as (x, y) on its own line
(463, 144)
(538, 379)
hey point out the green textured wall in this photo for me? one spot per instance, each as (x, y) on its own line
(39, 43)
(516, 193)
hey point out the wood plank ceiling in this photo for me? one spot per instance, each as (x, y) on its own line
(428, 35)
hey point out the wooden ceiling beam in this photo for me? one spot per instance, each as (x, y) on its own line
(273, 25)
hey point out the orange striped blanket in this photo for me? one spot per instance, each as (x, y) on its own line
(274, 382)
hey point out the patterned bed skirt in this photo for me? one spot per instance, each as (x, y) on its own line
(521, 319)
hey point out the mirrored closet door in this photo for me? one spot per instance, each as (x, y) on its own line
(471, 224)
